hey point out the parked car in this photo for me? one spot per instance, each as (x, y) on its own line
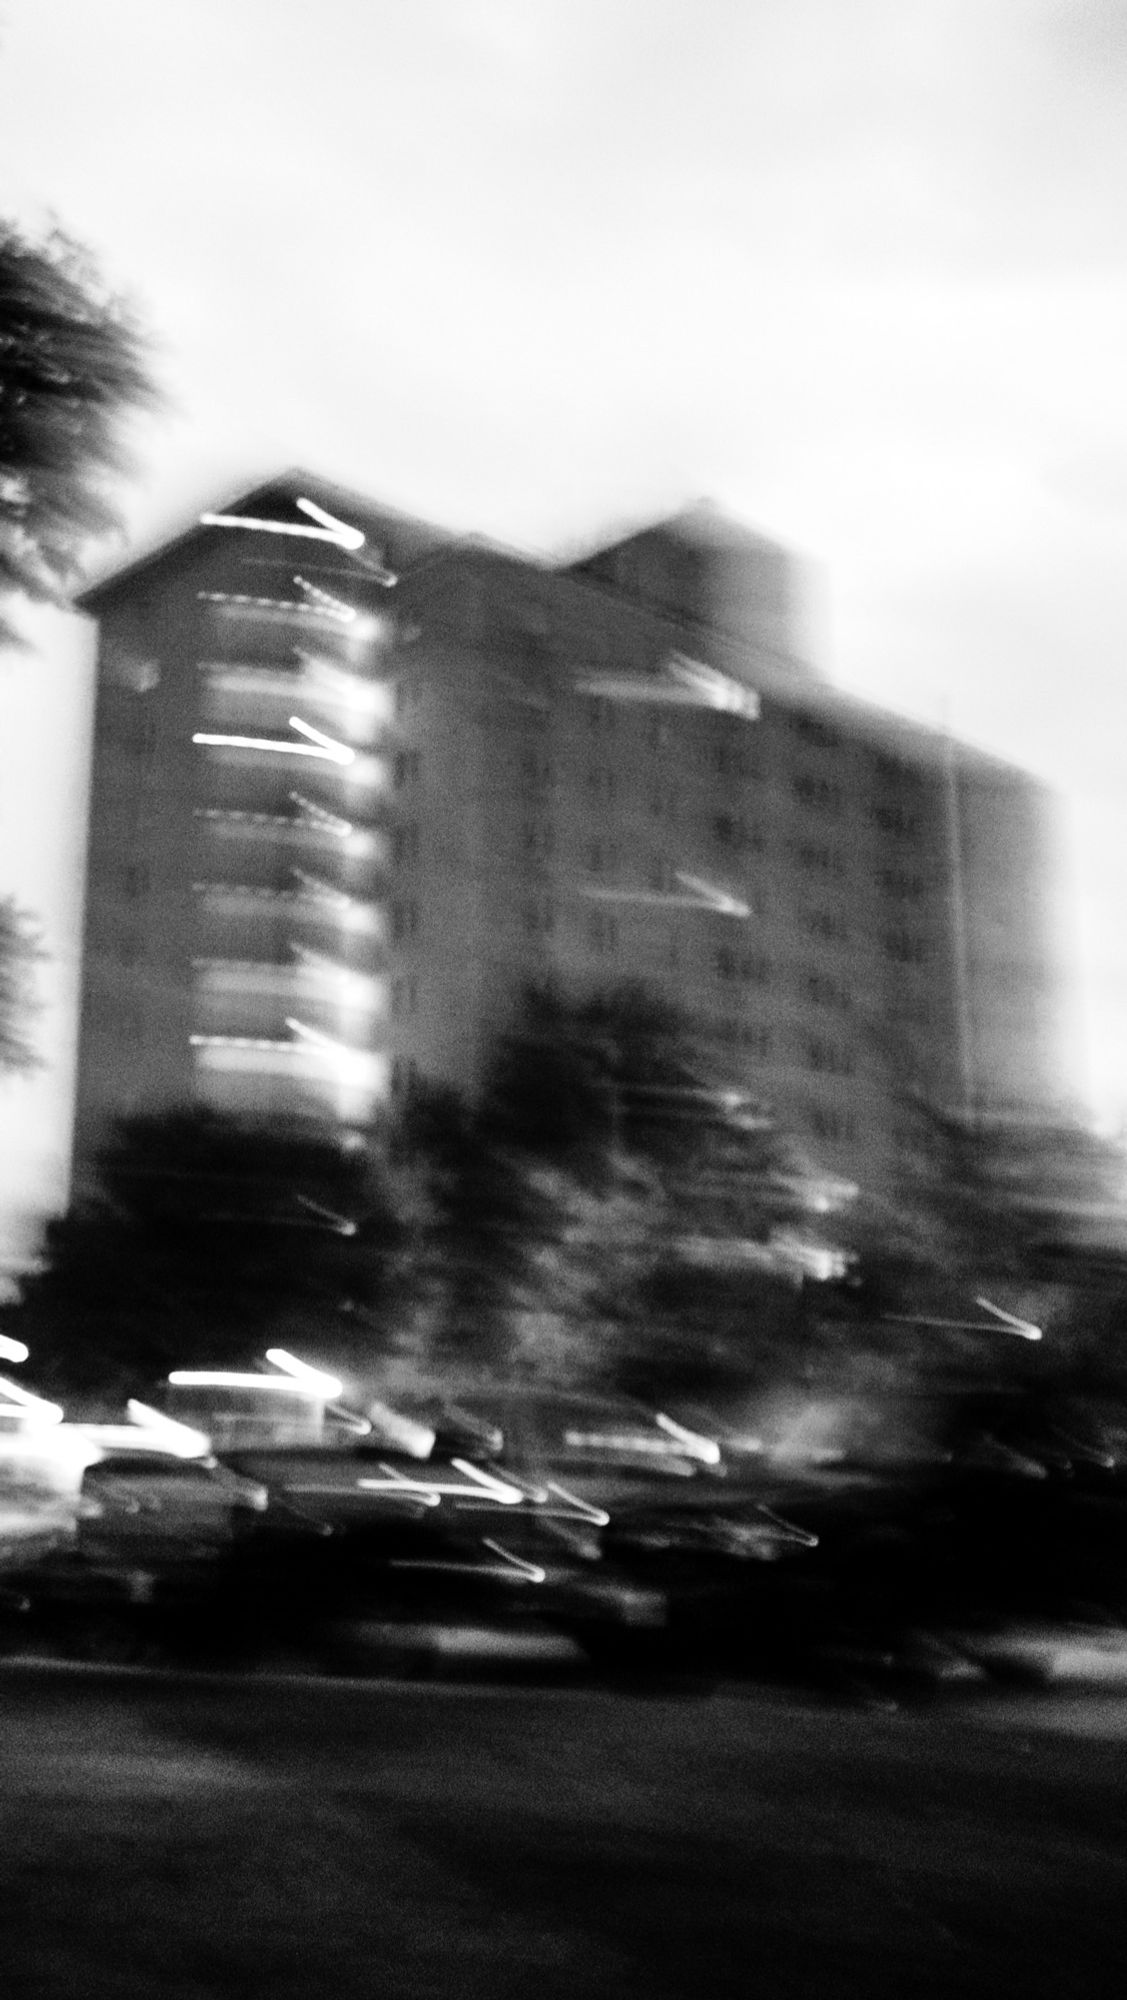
(149, 1504)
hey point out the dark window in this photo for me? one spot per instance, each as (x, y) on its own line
(601, 783)
(538, 839)
(602, 716)
(904, 886)
(407, 768)
(825, 924)
(750, 967)
(824, 796)
(602, 857)
(827, 1057)
(904, 947)
(819, 859)
(897, 820)
(404, 919)
(832, 1124)
(602, 931)
(811, 729)
(739, 834)
(663, 801)
(827, 992)
(539, 917)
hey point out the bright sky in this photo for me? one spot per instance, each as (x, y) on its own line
(853, 268)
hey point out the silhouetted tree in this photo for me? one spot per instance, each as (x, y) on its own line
(71, 370)
(559, 1210)
(19, 951)
(209, 1238)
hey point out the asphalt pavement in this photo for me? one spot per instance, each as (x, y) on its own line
(288, 1839)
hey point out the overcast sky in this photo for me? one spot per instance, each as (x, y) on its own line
(853, 268)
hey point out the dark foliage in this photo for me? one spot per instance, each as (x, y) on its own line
(71, 369)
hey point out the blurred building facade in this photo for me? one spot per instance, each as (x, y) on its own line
(356, 783)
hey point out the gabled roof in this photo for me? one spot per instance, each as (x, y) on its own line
(399, 538)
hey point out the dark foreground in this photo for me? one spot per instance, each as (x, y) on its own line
(273, 1841)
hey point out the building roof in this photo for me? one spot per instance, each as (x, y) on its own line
(399, 539)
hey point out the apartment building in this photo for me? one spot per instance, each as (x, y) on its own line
(357, 782)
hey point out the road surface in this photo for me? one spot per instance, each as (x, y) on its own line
(292, 1841)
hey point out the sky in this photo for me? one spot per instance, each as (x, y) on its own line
(541, 269)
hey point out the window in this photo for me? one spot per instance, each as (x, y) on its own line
(406, 769)
(898, 883)
(739, 834)
(832, 1124)
(662, 876)
(827, 992)
(602, 717)
(825, 924)
(731, 759)
(135, 880)
(750, 967)
(811, 729)
(536, 771)
(538, 839)
(904, 947)
(663, 801)
(819, 859)
(829, 1058)
(405, 843)
(404, 999)
(820, 793)
(404, 919)
(602, 932)
(539, 917)
(601, 785)
(602, 857)
(895, 819)
(755, 1040)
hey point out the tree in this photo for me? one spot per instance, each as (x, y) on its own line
(19, 952)
(71, 370)
(564, 1213)
(208, 1239)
